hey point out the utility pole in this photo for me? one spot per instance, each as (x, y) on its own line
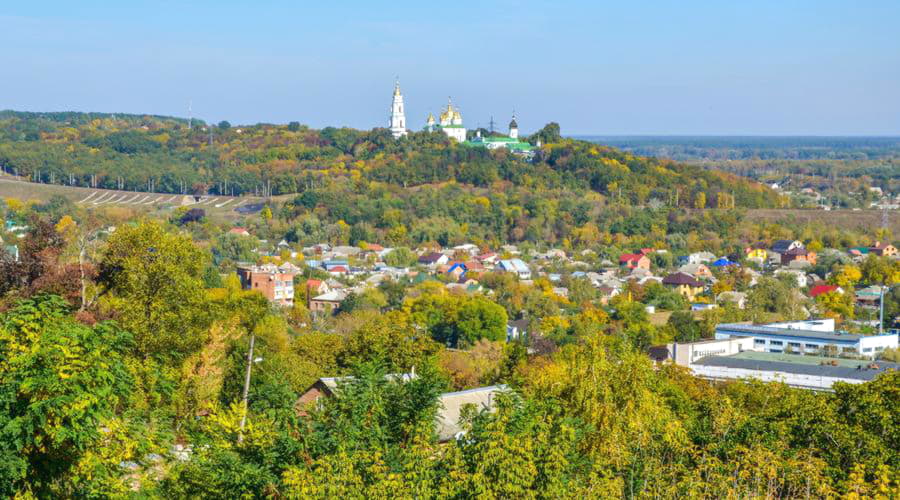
(245, 397)
(881, 311)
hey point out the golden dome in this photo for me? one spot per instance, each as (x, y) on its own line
(457, 116)
(430, 118)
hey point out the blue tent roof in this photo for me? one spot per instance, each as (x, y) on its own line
(724, 262)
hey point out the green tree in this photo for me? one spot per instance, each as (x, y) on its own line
(61, 384)
(154, 280)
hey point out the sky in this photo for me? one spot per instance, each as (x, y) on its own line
(780, 67)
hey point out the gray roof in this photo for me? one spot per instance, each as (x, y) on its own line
(841, 371)
(452, 403)
(751, 330)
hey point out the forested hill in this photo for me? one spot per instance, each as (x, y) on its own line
(131, 151)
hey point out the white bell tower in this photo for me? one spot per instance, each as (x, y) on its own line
(513, 127)
(398, 118)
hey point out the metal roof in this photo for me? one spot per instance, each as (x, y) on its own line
(751, 330)
(850, 369)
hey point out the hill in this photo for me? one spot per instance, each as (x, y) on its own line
(172, 155)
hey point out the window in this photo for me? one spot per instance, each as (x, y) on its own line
(867, 349)
(879, 348)
(775, 350)
(759, 342)
(776, 342)
(848, 349)
(794, 344)
(811, 346)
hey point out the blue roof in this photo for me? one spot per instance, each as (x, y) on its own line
(724, 262)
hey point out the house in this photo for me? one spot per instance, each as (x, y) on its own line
(276, 283)
(433, 259)
(808, 337)
(457, 270)
(696, 270)
(488, 258)
(327, 387)
(685, 284)
(781, 246)
(868, 297)
(701, 257)
(723, 262)
(800, 277)
(823, 289)
(883, 249)
(328, 302)
(450, 404)
(316, 287)
(516, 266)
(634, 260)
(516, 329)
(739, 299)
(239, 231)
(798, 254)
(757, 251)
(468, 248)
(338, 270)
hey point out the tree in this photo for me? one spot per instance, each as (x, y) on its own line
(224, 125)
(154, 280)
(400, 257)
(61, 384)
(700, 200)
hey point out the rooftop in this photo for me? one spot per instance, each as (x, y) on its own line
(791, 332)
(804, 365)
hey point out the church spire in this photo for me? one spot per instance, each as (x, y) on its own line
(398, 117)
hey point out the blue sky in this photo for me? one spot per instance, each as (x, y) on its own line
(786, 67)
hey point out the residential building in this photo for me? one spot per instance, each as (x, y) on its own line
(276, 283)
(823, 289)
(799, 254)
(450, 404)
(685, 284)
(781, 246)
(739, 299)
(516, 266)
(808, 337)
(697, 270)
(757, 251)
(239, 231)
(327, 303)
(433, 259)
(634, 260)
(883, 249)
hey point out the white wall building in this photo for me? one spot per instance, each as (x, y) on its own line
(808, 337)
(398, 117)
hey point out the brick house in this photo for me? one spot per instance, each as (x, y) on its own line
(634, 260)
(276, 283)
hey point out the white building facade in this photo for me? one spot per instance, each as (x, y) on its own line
(398, 117)
(814, 337)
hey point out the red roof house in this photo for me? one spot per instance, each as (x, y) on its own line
(820, 289)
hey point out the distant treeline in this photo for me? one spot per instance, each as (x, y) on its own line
(141, 152)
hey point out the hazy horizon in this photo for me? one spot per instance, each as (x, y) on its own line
(817, 69)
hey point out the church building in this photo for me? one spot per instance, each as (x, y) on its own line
(451, 123)
(511, 142)
(398, 118)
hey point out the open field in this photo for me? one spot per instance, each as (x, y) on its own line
(222, 206)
